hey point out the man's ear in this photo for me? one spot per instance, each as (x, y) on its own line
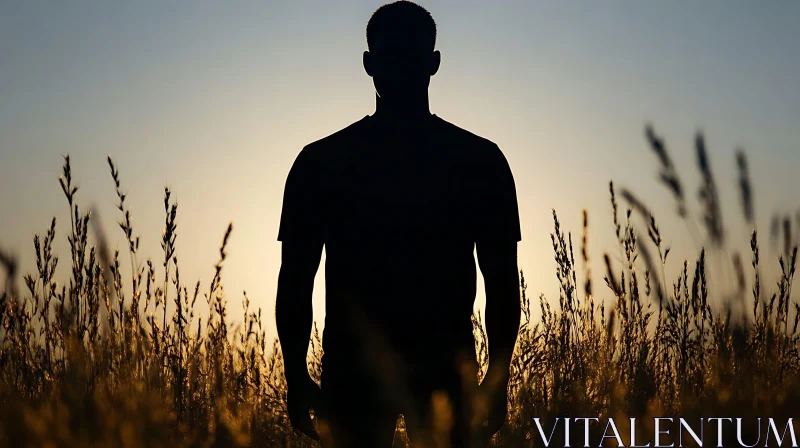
(435, 62)
(366, 59)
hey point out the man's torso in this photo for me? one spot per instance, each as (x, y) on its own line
(397, 217)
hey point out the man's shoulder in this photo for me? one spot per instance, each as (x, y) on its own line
(456, 131)
(474, 144)
(337, 139)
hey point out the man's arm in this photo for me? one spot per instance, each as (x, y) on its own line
(301, 231)
(498, 264)
(496, 246)
(293, 307)
(498, 231)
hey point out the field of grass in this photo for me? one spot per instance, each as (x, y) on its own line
(97, 359)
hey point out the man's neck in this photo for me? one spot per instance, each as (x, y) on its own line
(404, 113)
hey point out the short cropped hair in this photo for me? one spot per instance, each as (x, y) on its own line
(401, 15)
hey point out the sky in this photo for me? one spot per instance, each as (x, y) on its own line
(216, 99)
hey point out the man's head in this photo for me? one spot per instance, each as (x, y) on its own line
(401, 37)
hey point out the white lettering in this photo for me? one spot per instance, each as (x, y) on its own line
(541, 431)
(659, 432)
(739, 432)
(633, 436)
(780, 439)
(719, 429)
(620, 443)
(586, 429)
(697, 440)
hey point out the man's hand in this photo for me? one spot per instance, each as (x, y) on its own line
(302, 394)
(494, 390)
(498, 410)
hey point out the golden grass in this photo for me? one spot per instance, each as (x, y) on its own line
(98, 360)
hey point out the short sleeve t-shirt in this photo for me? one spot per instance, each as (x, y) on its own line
(399, 212)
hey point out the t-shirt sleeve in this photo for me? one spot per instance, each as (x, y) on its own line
(497, 217)
(301, 215)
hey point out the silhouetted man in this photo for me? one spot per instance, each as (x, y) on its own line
(400, 200)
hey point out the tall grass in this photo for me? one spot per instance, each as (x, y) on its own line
(107, 358)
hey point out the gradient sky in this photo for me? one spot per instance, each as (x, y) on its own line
(215, 99)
